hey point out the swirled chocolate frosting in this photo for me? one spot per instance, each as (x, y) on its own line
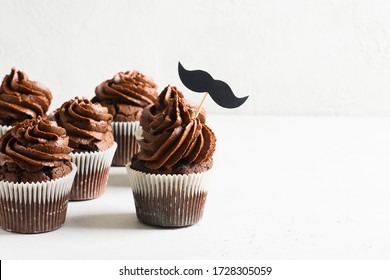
(34, 150)
(87, 124)
(126, 94)
(21, 98)
(174, 140)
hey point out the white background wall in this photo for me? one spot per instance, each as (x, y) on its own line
(323, 57)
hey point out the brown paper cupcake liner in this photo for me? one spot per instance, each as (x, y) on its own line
(124, 135)
(169, 200)
(35, 207)
(92, 175)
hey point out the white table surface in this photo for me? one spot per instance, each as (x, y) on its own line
(284, 188)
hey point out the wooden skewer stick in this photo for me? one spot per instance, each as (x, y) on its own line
(201, 104)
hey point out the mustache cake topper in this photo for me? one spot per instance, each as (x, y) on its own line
(220, 92)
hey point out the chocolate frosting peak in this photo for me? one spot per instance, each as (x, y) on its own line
(87, 124)
(22, 99)
(132, 88)
(172, 135)
(35, 144)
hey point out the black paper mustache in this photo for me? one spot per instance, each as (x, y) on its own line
(220, 92)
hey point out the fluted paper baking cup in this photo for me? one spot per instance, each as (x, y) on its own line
(35, 207)
(169, 200)
(92, 175)
(4, 129)
(124, 135)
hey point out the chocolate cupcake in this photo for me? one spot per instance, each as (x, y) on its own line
(88, 126)
(20, 99)
(125, 96)
(36, 176)
(169, 174)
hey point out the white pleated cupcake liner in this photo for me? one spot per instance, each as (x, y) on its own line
(35, 207)
(124, 135)
(169, 200)
(92, 175)
(4, 129)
